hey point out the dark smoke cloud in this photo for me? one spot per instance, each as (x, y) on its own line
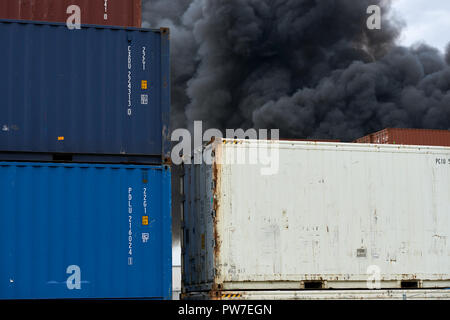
(447, 54)
(308, 67)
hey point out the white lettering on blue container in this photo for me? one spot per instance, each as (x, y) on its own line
(144, 200)
(143, 58)
(130, 230)
(129, 81)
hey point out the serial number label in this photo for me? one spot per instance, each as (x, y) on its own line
(130, 78)
(130, 230)
(442, 161)
(144, 200)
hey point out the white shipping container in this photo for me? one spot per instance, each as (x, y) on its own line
(327, 216)
(176, 282)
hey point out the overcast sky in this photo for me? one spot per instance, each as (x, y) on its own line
(427, 20)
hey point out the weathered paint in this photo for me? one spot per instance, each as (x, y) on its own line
(332, 211)
(199, 260)
(56, 219)
(176, 282)
(420, 294)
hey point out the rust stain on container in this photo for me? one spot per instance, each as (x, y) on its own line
(240, 259)
(313, 140)
(420, 137)
(216, 169)
(126, 13)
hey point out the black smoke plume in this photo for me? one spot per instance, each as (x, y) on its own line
(311, 68)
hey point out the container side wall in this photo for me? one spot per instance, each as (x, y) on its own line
(57, 96)
(80, 231)
(329, 215)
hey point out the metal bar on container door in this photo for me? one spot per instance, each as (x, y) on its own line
(167, 231)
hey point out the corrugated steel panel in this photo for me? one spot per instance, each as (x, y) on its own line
(58, 221)
(365, 139)
(420, 137)
(329, 217)
(82, 91)
(126, 13)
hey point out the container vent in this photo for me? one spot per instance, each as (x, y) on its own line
(62, 157)
(313, 284)
(410, 284)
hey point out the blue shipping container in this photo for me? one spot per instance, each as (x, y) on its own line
(84, 231)
(96, 90)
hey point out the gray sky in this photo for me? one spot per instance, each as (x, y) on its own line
(427, 21)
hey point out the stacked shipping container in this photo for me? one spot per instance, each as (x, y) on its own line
(419, 137)
(72, 230)
(89, 93)
(337, 217)
(85, 181)
(126, 13)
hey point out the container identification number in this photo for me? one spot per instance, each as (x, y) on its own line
(442, 161)
(129, 81)
(130, 230)
(144, 201)
(143, 58)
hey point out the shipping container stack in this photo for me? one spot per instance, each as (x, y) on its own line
(85, 176)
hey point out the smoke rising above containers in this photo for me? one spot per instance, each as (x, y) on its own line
(310, 68)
